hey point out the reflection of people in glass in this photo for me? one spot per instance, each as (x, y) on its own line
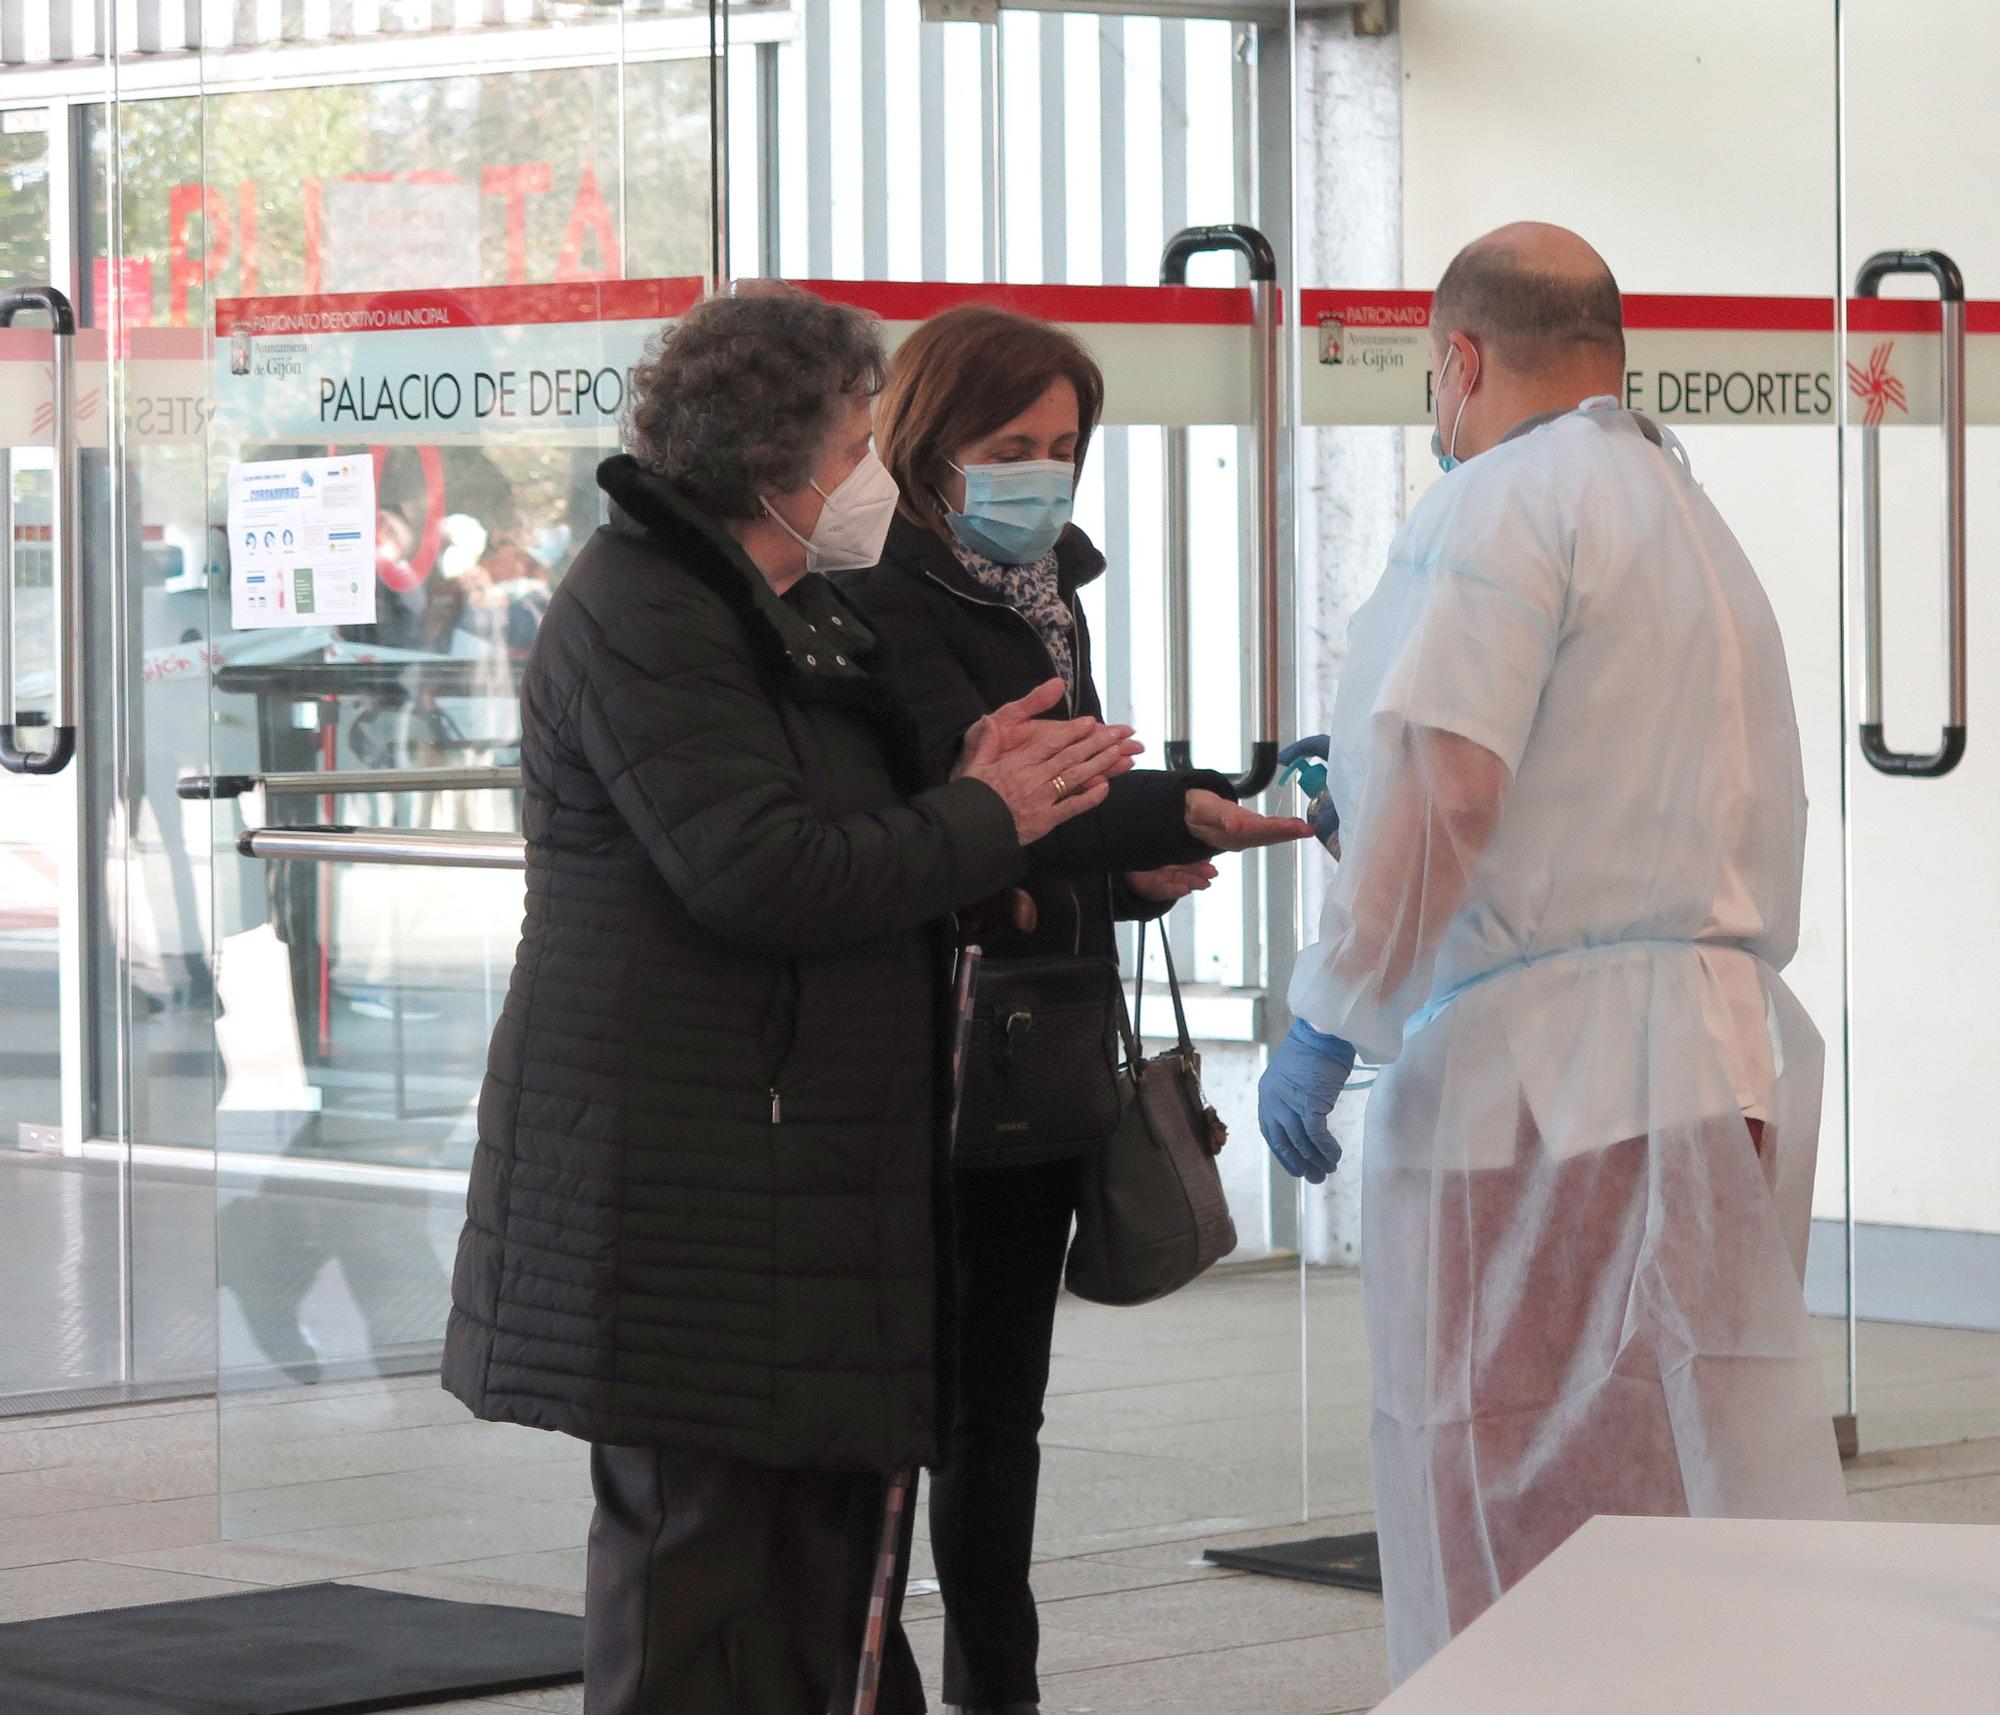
(699, 1227)
(401, 594)
(494, 596)
(274, 1242)
(448, 700)
(147, 839)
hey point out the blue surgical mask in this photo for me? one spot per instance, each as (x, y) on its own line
(1014, 512)
(1447, 456)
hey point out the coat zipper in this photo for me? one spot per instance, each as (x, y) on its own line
(1069, 690)
(1078, 667)
(792, 988)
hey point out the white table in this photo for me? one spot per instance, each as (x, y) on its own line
(1642, 1616)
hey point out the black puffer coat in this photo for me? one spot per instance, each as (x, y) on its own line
(701, 1210)
(958, 651)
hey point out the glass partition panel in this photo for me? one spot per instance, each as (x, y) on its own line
(1044, 156)
(66, 1334)
(1424, 126)
(1918, 136)
(408, 258)
(108, 1255)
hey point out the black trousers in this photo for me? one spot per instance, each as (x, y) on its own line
(714, 1587)
(1013, 1232)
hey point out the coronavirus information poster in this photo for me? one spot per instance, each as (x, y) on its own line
(302, 543)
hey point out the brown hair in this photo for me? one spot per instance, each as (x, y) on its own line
(962, 375)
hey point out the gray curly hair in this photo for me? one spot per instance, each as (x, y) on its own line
(735, 400)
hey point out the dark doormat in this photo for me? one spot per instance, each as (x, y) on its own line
(311, 1649)
(1352, 1562)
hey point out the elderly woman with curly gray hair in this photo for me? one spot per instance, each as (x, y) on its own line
(699, 1230)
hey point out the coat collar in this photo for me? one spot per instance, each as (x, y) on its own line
(919, 549)
(812, 634)
(789, 636)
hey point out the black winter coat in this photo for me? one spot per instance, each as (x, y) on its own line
(956, 652)
(701, 1209)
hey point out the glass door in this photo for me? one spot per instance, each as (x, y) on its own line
(61, 1251)
(435, 257)
(1044, 160)
(1425, 126)
(1922, 526)
(423, 260)
(104, 1098)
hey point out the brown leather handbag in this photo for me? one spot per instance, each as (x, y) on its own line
(1152, 1215)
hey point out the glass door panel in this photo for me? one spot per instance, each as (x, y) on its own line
(149, 1025)
(59, 1256)
(1039, 159)
(30, 885)
(405, 258)
(106, 1125)
(1418, 134)
(1919, 139)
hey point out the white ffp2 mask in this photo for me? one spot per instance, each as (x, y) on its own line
(854, 522)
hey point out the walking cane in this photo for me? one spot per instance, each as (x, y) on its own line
(889, 1566)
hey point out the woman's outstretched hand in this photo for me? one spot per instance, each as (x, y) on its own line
(1227, 827)
(1044, 771)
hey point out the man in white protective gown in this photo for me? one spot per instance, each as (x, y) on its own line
(1567, 768)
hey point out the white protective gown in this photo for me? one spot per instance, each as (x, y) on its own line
(1568, 769)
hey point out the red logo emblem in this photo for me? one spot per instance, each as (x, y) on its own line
(45, 411)
(1875, 387)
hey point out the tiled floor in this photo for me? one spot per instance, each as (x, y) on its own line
(1171, 1429)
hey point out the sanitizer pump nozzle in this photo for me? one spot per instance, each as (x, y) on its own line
(1309, 775)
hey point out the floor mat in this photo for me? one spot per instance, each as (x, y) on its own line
(1352, 1562)
(311, 1649)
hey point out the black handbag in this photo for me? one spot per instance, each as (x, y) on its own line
(1152, 1215)
(1041, 1064)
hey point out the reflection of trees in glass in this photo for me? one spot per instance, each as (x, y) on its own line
(666, 151)
(24, 207)
(541, 147)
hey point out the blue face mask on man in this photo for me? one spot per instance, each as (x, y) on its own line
(1014, 512)
(1447, 456)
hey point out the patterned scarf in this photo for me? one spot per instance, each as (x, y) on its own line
(1035, 593)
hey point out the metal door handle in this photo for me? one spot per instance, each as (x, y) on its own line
(1951, 744)
(203, 788)
(68, 654)
(1256, 249)
(403, 847)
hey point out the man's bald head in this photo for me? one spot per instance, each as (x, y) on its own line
(1537, 297)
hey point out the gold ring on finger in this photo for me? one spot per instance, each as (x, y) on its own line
(1061, 787)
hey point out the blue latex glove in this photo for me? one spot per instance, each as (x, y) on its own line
(1325, 818)
(1295, 1096)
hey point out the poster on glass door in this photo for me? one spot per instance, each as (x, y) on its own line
(302, 543)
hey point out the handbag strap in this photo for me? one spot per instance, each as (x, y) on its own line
(1128, 1022)
(1128, 1019)
(1174, 989)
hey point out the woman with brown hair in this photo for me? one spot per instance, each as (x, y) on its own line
(984, 422)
